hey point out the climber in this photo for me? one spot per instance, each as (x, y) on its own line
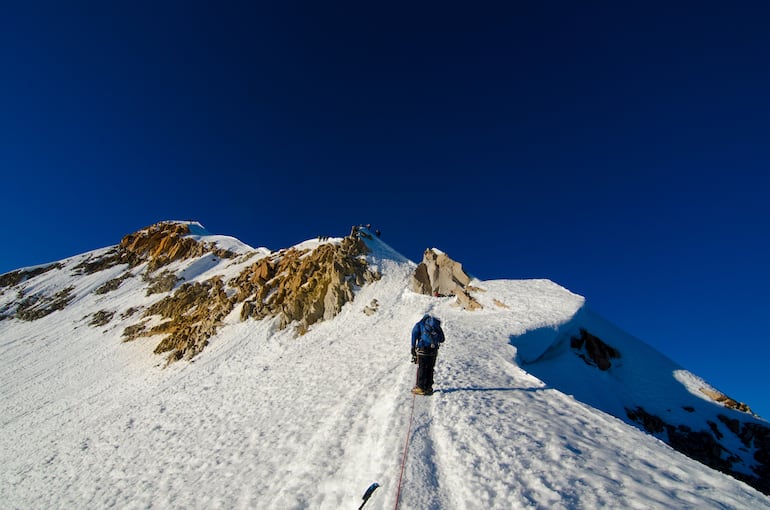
(427, 336)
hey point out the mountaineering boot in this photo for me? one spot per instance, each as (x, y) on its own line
(418, 391)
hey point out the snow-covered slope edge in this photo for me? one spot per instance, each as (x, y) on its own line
(603, 366)
(264, 419)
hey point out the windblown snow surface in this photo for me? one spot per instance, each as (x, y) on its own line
(264, 420)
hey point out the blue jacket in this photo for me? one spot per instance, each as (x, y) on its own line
(427, 333)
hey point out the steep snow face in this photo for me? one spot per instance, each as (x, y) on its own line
(644, 388)
(264, 419)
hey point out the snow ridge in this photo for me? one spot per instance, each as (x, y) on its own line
(264, 419)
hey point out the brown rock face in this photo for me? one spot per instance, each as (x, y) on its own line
(439, 275)
(294, 285)
(165, 242)
(194, 311)
(726, 401)
(158, 245)
(303, 286)
(193, 314)
(297, 286)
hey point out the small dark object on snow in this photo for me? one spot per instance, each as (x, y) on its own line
(368, 494)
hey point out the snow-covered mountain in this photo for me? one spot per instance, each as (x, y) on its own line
(180, 369)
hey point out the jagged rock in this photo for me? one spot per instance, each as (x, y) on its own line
(194, 312)
(296, 286)
(651, 423)
(439, 275)
(21, 275)
(444, 274)
(465, 300)
(372, 307)
(752, 435)
(247, 309)
(39, 305)
(593, 350)
(129, 312)
(421, 280)
(158, 245)
(303, 286)
(101, 318)
(113, 284)
(163, 282)
(758, 436)
(165, 242)
(337, 294)
(110, 259)
(705, 446)
(135, 331)
(726, 401)
(700, 445)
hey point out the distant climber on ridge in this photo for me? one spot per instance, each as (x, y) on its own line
(427, 336)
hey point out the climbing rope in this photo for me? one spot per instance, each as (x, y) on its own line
(406, 447)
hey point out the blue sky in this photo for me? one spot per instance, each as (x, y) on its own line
(621, 151)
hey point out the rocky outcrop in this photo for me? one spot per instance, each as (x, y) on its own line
(158, 245)
(372, 307)
(439, 275)
(299, 287)
(754, 436)
(101, 318)
(160, 283)
(303, 286)
(165, 242)
(107, 260)
(113, 284)
(709, 446)
(41, 304)
(726, 401)
(593, 350)
(21, 275)
(466, 300)
(191, 316)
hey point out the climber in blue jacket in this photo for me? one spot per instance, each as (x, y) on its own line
(427, 336)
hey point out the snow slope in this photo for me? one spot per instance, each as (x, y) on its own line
(264, 420)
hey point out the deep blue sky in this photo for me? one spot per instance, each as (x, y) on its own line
(621, 151)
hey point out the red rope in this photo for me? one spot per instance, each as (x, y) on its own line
(406, 447)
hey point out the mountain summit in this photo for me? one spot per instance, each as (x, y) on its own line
(181, 369)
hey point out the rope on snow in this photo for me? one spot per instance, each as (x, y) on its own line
(406, 449)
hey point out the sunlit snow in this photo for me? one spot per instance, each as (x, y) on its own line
(262, 419)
